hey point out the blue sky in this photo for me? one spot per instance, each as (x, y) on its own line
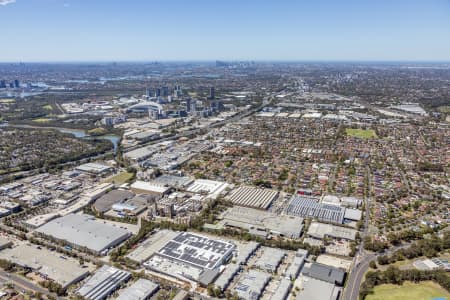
(131, 30)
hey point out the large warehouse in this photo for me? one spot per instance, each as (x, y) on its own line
(151, 245)
(62, 270)
(143, 187)
(106, 202)
(84, 231)
(103, 283)
(211, 187)
(191, 256)
(253, 197)
(320, 230)
(178, 182)
(307, 207)
(262, 222)
(94, 168)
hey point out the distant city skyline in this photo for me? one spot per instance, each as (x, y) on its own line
(201, 30)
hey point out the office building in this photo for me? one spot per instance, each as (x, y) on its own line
(188, 104)
(165, 91)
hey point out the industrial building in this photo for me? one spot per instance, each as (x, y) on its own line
(320, 230)
(178, 182)
(133, 206)
(352, 214)
(210, 187)
(251, 284)
(313, 289)
(123, 203)
(331, 199)
(12, 207)
(140, 154)
(145, 136)
(190, 256)
(262, 223)
(62, 270)
(84, 232)
(4, 243)
(225, 278)
(283, 290)
(4, 212)
(142, 289)
(325, 273)
(297, 264)
(244, 251)
(151, 245)
(307, 207)
(103, 283)
(106, 202)
(352, 202)
(198, 250)
(142, 187)
(94, 168)
(270, 259)
(253, 197)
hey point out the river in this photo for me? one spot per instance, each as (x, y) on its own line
(78, 133)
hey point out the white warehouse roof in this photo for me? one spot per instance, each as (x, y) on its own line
(84, 231)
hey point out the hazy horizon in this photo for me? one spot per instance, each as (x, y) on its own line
(201, 30)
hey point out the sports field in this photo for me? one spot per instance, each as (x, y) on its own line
(361, 133)
(426, 290)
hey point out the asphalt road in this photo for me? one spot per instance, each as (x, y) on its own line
(23, 284)
(351, 291)
(362, 260)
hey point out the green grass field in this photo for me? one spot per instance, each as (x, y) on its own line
(120, 178)
(361, 133)
(444, 109)
(97, 131)
(426, 290)
(42, 120)
(47, 107)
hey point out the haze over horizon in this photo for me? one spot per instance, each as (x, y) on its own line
(172, 30)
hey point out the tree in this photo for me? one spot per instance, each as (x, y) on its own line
(210, 290)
